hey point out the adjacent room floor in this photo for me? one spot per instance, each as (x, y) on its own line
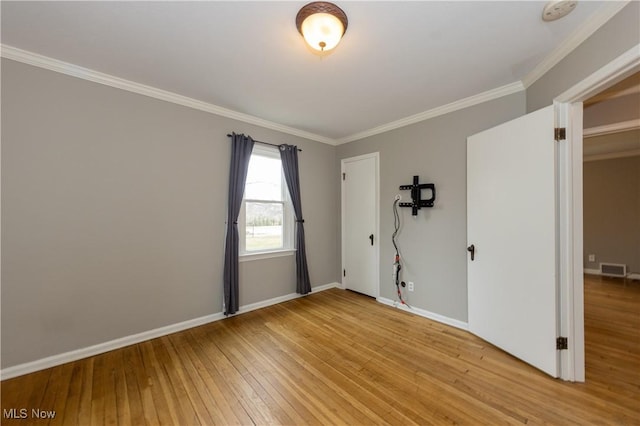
(336, 357)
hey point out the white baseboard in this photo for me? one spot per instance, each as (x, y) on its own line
(263, 304)
(427, 314)
(325, 287)
(52, 361)
(630, 276)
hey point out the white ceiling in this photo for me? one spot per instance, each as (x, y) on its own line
(397, 58)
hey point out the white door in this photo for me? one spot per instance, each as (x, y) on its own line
(511, 223)
(360, 224)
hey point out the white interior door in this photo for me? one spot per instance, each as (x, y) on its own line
(360, 225)
(511, 222)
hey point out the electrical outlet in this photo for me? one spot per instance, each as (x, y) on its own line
(398, 197)
(410, 286)
(592, 258)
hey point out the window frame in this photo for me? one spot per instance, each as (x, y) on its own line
(288, 217)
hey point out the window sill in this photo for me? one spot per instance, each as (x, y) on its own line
(265, 255)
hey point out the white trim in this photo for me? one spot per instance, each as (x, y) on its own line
(288, 216)
(569, 104)
(248, 257)
(56, 65)
(570, 222)
(629, 276)
(605, 96)
(52, 361)
(62, 67)
(607, 129)
(612, 155)
(324, 287)
(616, 70)
(426, 314)
(489, 95)
(597, 20)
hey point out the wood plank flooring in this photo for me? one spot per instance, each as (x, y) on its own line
(336, 357)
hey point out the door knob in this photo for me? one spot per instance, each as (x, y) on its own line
(472, 249)
(371, 238)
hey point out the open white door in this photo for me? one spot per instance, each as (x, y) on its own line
(360, 224)
(511, 224)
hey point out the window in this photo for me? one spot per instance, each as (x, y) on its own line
(266, 218)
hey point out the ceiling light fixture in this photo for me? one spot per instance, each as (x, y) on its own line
(322, 24)
(557, 9)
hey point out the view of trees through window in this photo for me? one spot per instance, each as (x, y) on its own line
(264, 226)
(264, 204)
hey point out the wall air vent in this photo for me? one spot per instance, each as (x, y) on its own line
(613, 270)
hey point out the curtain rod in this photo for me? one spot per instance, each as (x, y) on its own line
(264, 143)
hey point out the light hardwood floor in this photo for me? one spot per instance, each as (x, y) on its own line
(336, 357)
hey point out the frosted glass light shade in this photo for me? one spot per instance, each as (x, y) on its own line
(322, 24)
(322, 31)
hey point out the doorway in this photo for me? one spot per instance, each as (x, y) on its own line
(611, 152)
(611, 178)
(360, 224)
(569, 107)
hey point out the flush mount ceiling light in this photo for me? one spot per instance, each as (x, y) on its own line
(322, 24)
(557, 9)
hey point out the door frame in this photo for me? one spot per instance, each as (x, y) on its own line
(343, 162)
(568, 108)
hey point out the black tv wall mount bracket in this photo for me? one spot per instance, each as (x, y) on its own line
(416, 195)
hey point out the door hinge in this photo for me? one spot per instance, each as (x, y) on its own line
(562, 343)
(344, 176)
(344, 272)
(560, 133)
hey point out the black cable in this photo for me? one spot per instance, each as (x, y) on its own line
(396, 263)
(396, 224)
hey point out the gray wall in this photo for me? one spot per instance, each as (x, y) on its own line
(619, 34)
(433, 244)
(612, 212)
(113, 214)
(614, 38)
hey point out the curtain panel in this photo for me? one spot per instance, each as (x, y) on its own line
(241, 147)
(289, 156)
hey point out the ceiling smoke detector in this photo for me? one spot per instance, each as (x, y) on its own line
(557, 9)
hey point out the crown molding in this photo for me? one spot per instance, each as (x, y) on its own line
(604, 97)
(67, 68)
(619, 68)
(611, 128)
(611, 155)
(56, 65)
(599, 18)
(435, 112)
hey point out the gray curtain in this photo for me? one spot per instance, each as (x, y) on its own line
(289, 156)
(241, 147)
